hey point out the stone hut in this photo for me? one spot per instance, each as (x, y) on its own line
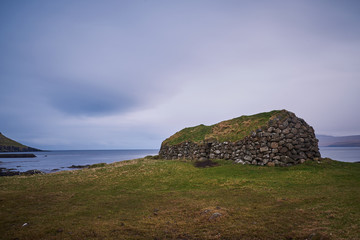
(272, 138)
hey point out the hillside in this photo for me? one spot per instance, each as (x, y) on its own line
(343, 141)
(230, 130)
(9, 145)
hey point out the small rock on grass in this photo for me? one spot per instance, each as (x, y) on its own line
(215, 215)
(205, 211)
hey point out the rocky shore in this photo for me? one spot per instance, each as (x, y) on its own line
(4, 172)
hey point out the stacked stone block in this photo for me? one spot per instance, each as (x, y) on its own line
(284, 141)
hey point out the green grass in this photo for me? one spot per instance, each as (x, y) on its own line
(162, 199)
(231, 130)
(5, 141)
(194, 134)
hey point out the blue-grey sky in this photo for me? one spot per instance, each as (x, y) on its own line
(107, 74)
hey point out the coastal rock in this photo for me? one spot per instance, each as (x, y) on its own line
(79, 166)
(34, 171)
(8, 172)
(4, 172)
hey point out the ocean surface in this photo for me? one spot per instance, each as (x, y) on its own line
(343, 154)
(53, 161)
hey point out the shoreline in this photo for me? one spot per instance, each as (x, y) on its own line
(5, 172)
(8, 172)
(66, 160)
(14, 166)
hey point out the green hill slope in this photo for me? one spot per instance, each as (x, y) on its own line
(229, 130)
(9, 145)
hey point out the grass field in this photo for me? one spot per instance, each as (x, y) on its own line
(158, 199)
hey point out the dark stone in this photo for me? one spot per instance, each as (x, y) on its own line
(274, 145)
(4, 172)
(264, 149)
(79, 166)
(289, 146)
(247, 158)
(284, 150)
(286, 131)
(8, 172)
(32, 172)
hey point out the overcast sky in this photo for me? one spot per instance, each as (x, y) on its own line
(128, 74)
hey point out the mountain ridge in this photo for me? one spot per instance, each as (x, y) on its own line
(340, 141)
(9, 145)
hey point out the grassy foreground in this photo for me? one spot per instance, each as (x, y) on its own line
(158, 199)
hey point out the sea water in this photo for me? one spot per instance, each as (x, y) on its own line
(343, 154)
(52, 161)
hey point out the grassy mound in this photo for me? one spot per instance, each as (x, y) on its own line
(230, 130)
(158, 199)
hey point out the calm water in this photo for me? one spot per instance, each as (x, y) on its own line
(62, 160)
(343, 154)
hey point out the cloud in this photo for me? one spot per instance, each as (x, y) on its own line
(90, 74)
(88, 99)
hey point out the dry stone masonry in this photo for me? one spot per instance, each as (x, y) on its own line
(285, 140)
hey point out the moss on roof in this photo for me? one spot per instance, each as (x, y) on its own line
(230, 130)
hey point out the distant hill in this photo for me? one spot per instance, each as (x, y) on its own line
(9, 145)
(344, 141)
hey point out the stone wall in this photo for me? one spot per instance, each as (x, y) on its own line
(284, 142)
